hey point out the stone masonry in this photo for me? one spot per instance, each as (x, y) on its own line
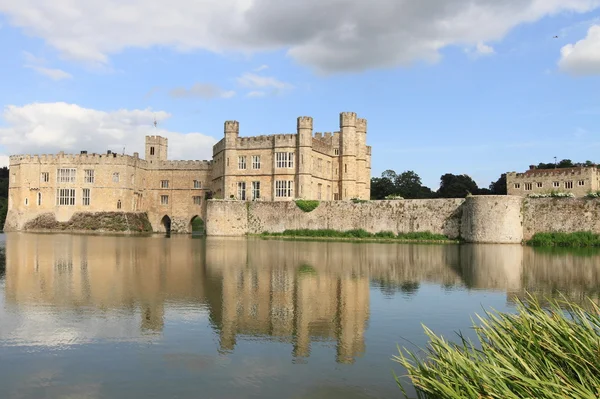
(577, 180)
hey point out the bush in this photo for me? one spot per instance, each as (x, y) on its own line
(552, 194)
(577, 239)
(535, 353)
(385, 234)
(393, 197)
(307, 205)
(422, 235)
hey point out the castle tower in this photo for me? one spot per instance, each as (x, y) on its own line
(156, 148)
(363, 174)
(348, 153)
(304, 151)
(232, 132)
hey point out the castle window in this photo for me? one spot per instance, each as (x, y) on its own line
(284, 188)
(255, 161)
(581, 183)
(255, 190)
(528, 186)
(319, 187)
(336, 151)
(65, 196)
(26, 201)
(197, 200)
(241, 190)
(320, 165)
(242, 162)
(85, 197)
(116, 177)
(164, 200)
(164, 184)
(45, 177)
(328, 193)
(39, 199)
(345, 168)
(89, 176)
(151, 150)
(66, 175)
(568, 184)
(284, 159)
(539, 184)
(197, 184)
(556, 184)
(119, 204)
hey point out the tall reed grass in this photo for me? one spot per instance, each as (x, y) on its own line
(539, 352)
(576, 239)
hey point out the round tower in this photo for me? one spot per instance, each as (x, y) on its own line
(304, 150)
(348, 153)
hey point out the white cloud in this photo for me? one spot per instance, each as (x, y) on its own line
(52, 73)
(42, 128)
(330, 36)
(201, 90)
(583, 57)
(261, 68)
(37, 64)
(480, 49)
(252, 80)
(256, 94)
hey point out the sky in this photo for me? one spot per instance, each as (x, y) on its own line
(478, 87)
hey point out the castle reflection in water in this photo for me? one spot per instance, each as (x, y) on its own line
(289, 291)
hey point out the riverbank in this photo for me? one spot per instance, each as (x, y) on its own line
(358, 235)
(581, 239)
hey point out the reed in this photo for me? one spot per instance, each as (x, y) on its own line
(539, 352)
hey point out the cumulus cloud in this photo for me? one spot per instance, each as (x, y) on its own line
(41, 128)
(583, 57)
(330, 36)
(201, 90)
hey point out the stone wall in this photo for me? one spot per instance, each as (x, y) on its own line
(560, 214)
(478, 219)
(234, 218)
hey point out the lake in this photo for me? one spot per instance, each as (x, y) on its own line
(183, 317)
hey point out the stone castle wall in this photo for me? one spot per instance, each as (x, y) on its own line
(478, 219)
(577, 180)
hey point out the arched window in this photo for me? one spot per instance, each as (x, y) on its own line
(119, 204)
(26, 201)
(39, 197)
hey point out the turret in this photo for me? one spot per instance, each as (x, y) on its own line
(348, 152)
(363, 174)
(156, 148)
(304, 151)
(232, 131)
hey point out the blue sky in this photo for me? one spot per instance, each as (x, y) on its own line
(474, 87)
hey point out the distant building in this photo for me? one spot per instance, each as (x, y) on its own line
(577, 180)
(280, 167)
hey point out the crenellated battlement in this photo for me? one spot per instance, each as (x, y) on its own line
(361, 125)
(232, 127)
(191, 165)
(62, 158)
(348, 119)
(563, 172)
(305, 122)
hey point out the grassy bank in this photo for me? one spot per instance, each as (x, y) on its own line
(579, 239)
(535, 353)
(360, 234)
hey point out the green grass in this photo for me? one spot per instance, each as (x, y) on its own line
(359, 234)
(307, 205)
(577, 239)
(535, 353)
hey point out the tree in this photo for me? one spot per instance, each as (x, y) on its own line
(499, 186)
(408, 185)
(381, 187)
(456, 186)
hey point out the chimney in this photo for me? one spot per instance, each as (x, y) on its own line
(531, 167)
(108, 152)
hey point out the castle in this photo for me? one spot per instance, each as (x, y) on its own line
(577, 180)
(281, 167)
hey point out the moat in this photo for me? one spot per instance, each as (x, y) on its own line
(186, 317)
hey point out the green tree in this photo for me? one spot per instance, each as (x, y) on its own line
(456, 186)
(381, 187)
(408, 185)
(499, 186)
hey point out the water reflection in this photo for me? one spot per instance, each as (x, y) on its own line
(296, 293)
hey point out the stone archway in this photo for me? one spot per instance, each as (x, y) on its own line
(165, 224)
(197, 226)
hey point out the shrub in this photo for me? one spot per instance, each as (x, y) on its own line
(393, 197)
(307, 205)
(358, 200)
(552, 194)
(422, 235)
(535, 353)
(385, 234)
(593, 194)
